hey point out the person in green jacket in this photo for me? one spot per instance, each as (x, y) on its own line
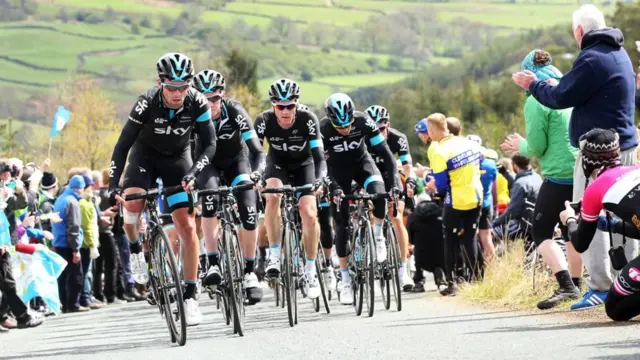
(90, 244)
(548, 141)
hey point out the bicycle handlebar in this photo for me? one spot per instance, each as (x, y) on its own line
(225, 190)
(287, 189)
(369, 197)
(153, 193)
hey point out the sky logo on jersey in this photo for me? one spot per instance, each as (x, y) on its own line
(202, 163)
(171, 131)
(242, 123)
(226, 136)
(141, 106)
(312, 127)
(287, 147)
(346, 146)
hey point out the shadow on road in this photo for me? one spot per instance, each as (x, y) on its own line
(570, 326)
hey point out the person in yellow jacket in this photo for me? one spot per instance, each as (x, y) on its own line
(456, 175)
(89, 250)
(503, 184)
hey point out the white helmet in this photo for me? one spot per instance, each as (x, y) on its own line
(475, 138)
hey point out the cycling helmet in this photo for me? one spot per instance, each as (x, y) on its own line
(339, 109)
(377, 113)
(475, 138)
(303, 107)
(599, 149)
(421, 127)
(175, 67)
(207, 81)
(284, 90)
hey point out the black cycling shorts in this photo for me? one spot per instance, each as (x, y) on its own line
(486, 217)
(145, 166)
(235, 172)
(302, 173)
(623, 299)
(549, 204)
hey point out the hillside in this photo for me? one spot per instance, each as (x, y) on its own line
(333, 45)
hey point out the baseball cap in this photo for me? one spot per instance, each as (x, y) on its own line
(421, 127)
(87, 180)
(77, 182)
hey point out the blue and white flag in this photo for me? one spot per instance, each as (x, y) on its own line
(37, 274)
(60, 119)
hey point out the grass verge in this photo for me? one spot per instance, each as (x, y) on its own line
(508, 284)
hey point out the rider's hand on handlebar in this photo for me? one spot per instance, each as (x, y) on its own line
(336, 195)
(411, 185)
(318, 187)
(188, 182)
(115, 197)
(256, 177)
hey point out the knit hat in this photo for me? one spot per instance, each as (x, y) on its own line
(77, 182)
(599, 149)
(534, 63)
(49, 181)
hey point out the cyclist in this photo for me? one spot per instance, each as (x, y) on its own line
(343, 132)
(234, 162)
(456, 167)
(295, 149)
(399, 145)
(614, 189)
(157, 134)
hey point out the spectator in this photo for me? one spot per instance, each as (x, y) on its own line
(548, 140)
(68, 239)
(504, 180)
(47, 197)
(89, 250)
(601, 88)
(488, 174)
(108, 260)
(11, 302)
(454, 125)
(514, 222)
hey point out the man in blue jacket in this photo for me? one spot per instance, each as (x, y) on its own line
(601, 89)
(67, 242)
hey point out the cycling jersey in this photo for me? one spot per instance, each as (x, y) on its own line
(398, 145)
(616, 190)
(456, 167)
(160, 140)
(344, 152)
(294, 147)
(488, 174)
(233, 128)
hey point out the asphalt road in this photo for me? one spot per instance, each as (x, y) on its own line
(428, 327)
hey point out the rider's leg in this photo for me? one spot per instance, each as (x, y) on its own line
(272, 223)
(326, 239)
(343, 249)
(406, 282)
(485, 234)
(374, 184)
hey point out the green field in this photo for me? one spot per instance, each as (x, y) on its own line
(362, 80)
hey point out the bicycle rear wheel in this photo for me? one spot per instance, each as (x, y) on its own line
(222, 290)
(320, 270)
(369, 270)
(357, 280)
(234, 276)
(170, 284)
(393, 251)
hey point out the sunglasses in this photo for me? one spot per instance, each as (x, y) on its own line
(340, 127)
(383, 124)
(285, 107)
(174, 88)
(214, 98)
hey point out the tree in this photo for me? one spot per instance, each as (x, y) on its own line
(145, 22)
(243, 69)
(306, 76)
(62, 15)
(92, 132)
(109, 14)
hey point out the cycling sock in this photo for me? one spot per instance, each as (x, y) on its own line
(263, 252)
(402, 268)
(564, 280)
(248, 267)
(377, 230)
(189, 290)
(310, 267)
(147, 257)
(274, 251)
(135, 246)
(213, 258)
(203, 262)
(346, 278)
(577, 282)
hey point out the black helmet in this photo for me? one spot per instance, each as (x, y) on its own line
(175, 67)
(377, 113)
(339, 109)
(207, 81)
(284, 90)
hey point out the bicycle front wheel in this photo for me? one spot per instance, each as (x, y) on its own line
(170, 284)
(393, 261)
(370, 268)
(289, 273)
(234, 276)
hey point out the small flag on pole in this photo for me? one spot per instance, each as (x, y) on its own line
(60, 119)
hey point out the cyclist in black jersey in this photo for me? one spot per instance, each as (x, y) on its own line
(157, 134)
(399, 145)
(344, 132)
(295, 150)
(238, 153)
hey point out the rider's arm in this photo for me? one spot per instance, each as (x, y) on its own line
(317, 148)
(260, 126)
(382, 149)
(127, 138)
(206, 135)
(405, 156)
(581, 232)
(257, 158)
